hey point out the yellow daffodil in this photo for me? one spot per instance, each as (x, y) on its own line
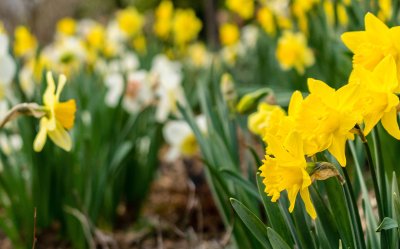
(139, 44)
(374, 44)
(186, 26)
(229, 34)
(292, 52)
(340, 10)
(286, 170)
(378, 99)
(266, 19)
(244, 8)
(199, 55)
(326, 117)
(24, 42)
(130, 21)
(260, 120)
(95, 36)
(66, 26)
(59, 116)
(279, 124)
(163, 19)
(385, 9)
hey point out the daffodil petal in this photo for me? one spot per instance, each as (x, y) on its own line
(292, 193)
(305, 195)
(376, 29)
(61, 137)
(353, 39)
(389, 122)
(40, 138)
(386, 70)
(61, 83)
(48, 96)
(295, 103)
(370, 121)
(338, 149)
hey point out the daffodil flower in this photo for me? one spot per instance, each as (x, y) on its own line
(378, 101)
(375, 43)
(286, 170)
(326, 117)
(260, 120)
(59, 116)
(293, 52)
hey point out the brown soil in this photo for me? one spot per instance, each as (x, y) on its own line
(179, 213)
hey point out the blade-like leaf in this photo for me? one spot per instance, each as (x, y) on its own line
(254, 224)
(275, 218)
(236, 178)
(276, 241)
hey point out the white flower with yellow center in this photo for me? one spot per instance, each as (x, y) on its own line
(169, 90)
(181, 139)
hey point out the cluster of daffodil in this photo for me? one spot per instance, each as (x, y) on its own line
(327, 118)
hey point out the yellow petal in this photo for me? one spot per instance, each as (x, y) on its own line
(294, 145)
(40, 138)
(48, 96)
(292, 193)
(319, 87)
(370, 121)
(295, 103)
(338, 149)
(61, 137)
(352, 40)
(376, 30)
(386, 72)
(389, 122)
(61, 83)
(305, 195)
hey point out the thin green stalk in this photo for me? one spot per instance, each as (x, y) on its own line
(355, 215)
(381, 170)
(384, 240)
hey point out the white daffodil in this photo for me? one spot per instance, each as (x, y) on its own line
(7, 65)
(115, 84)
(26, 76)
(181, 139)
(249, 36)
(169, 90)
(138, 93)
(65, 55)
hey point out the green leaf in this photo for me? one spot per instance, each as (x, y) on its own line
(276, 241)
(275, 217)
(328, 223)
(387, 224)
(253, 223)
(340, 210)
(236, 178)
(395, 195)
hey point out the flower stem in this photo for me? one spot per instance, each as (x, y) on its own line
(384, 240)
(353, 210)
(32, 109)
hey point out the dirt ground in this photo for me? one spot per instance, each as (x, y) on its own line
(179, 213)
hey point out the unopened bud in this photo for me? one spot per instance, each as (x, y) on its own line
(248, 103)
(322, 171)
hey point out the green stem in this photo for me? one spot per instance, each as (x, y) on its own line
(354, 210)
(384, 241)
(381, 170)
